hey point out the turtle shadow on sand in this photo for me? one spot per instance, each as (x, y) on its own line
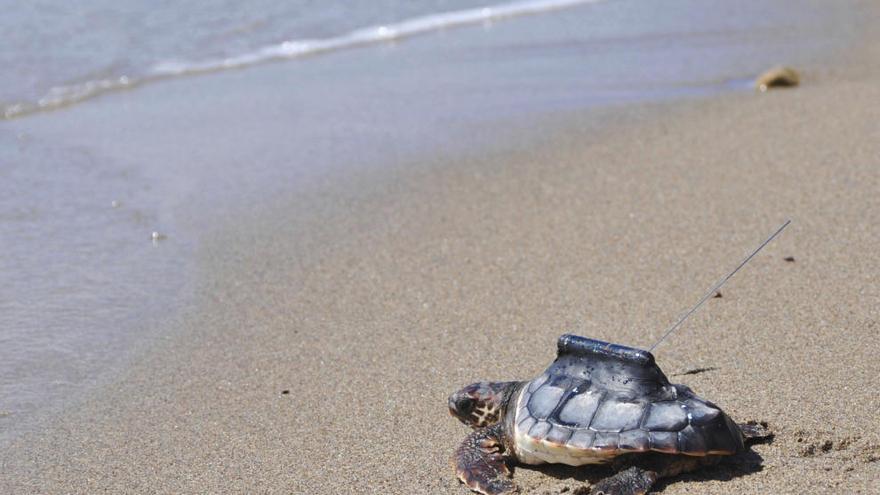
(742, 464)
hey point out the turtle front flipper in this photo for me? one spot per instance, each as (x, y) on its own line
(480, 462)
(631, 481)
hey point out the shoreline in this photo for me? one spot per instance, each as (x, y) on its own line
(92, 182)
(590, 222)
(212, 391)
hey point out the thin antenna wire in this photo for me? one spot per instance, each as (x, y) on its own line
(717, 286)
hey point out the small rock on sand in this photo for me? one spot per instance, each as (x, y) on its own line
(777, 77)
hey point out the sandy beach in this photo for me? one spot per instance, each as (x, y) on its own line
(326, 328)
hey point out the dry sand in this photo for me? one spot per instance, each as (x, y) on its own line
(370, 307)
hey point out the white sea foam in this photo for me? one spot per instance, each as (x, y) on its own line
(61, 96)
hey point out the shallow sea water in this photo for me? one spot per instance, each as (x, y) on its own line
(57, 54)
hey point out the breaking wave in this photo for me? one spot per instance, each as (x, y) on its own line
(61, 96)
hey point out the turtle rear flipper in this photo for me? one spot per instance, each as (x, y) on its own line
(755, 432)
(637, 473)
(631, 481)
(480, 464)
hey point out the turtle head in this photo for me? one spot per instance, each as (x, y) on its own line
(481, 404)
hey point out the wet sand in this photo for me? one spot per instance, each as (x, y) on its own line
(329, 327)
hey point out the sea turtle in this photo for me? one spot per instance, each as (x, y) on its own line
(598, 403)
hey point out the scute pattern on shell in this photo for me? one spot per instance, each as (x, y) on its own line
(617, 400)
